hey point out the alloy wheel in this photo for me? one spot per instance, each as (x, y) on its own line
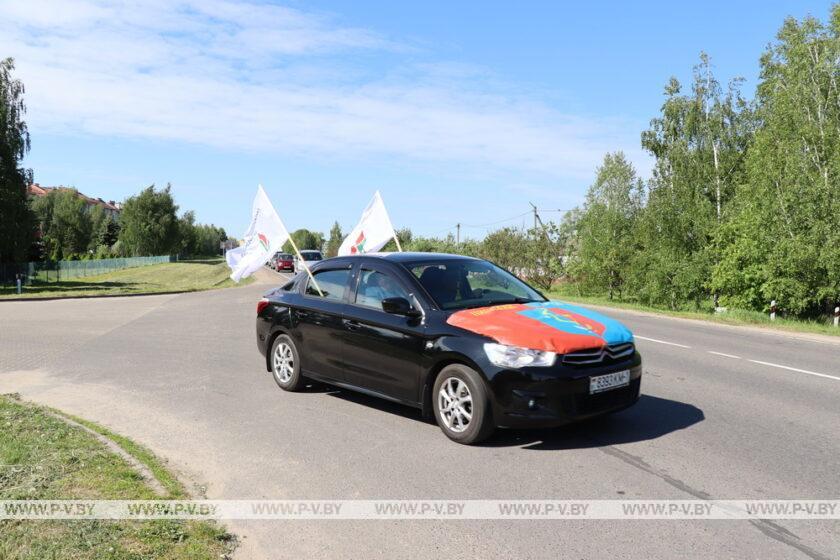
(284, 362)
(455, 404)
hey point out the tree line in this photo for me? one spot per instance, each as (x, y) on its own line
(742, 207)
(62, 225)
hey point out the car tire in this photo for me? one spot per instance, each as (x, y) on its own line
(285, 364)
(469, 419)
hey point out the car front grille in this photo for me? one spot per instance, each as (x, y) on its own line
(604, 354)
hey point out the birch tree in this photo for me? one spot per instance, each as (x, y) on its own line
(785, 242)
(16, 220)
(699, 142)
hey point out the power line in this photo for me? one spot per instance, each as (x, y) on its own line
(458, 226)
(496, 222)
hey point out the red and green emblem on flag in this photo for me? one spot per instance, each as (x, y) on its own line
(263, 241)
(359, 245)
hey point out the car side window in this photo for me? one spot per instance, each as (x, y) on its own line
(331, 282)
(375, 286)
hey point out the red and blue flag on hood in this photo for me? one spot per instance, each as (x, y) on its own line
(551, 326)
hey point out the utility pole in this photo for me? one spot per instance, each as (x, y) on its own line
(458, 234)
(537, 220)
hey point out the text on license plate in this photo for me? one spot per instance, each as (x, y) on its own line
(609, 381)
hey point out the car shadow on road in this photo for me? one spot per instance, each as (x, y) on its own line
(650, 418)
(365, 400)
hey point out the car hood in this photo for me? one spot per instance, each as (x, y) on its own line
(552, 326)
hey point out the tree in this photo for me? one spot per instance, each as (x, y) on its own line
(506, 248)
(606, 227)
(16, 220)
(65, 224)
(546, 247)
(104, 231)
(336, 238)
(405, 236)
(208, 239)
(149, 223)
(699, 142)
(188, 233)
(71, 224)
(305, 239)
(784, 242)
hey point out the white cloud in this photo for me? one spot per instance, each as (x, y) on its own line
(270, 78)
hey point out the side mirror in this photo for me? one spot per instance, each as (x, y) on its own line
(399, 306)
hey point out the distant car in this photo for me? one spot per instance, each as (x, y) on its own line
(282, 261)
(467, 342)
(309, 256)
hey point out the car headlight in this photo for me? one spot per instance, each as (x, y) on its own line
(517, 357)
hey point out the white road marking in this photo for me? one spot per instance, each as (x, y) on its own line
(796, 369)
(662, 341)
(739, 358)
(724, 355)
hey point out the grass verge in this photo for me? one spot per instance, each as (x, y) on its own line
(182, 276)
(42, 457)
(738, 317)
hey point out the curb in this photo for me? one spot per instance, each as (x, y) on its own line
(94, 296)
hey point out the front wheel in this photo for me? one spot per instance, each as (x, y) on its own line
(461, 405)
(285, 364)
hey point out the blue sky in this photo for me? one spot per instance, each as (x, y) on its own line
(456, 111)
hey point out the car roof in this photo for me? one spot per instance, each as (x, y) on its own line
(414, 257)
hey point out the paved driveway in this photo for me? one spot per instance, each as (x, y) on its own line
(182, 375)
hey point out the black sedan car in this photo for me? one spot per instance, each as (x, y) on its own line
(460, 338)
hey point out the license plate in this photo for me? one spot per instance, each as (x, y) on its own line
(609, 381)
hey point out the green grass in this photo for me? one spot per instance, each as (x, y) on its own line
(739, 317)
(42, 457)
(183, 276)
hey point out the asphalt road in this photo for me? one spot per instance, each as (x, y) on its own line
(726, 413)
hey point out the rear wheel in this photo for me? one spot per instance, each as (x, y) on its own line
(461, 405)
(285, 364)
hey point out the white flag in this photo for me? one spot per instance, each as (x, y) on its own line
(373, 231)
(265, 236)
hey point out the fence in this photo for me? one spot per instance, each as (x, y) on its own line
(57, 271)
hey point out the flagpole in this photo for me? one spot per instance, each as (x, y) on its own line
(309, 272)
(398, 242)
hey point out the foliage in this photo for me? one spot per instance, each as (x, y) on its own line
(16, 219)
(699, 142)
(149, 224)
(305, 239)
(545, 254)
(784, 242)
(199, 239)
(606, 227)
(405, 236)
(65, 224)
(334, 243)
(105, 229)
(506, 248)
(743, 205)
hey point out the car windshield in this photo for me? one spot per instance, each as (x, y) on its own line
(310, 256)
(462, 284)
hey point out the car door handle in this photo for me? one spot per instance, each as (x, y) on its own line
(352, 325)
